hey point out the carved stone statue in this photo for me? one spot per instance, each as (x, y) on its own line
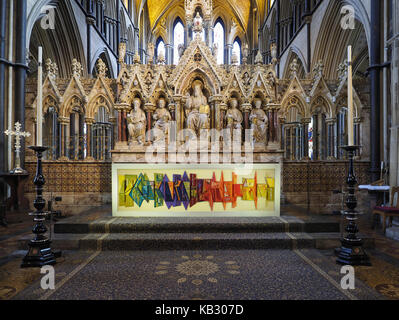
(234, 117)
(215, 47)
(136, 123)
(151, 52)
(197, 109)
(259, 124)
(180, 49)
(162, 118)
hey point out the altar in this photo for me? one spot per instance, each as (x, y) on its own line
(196, 139)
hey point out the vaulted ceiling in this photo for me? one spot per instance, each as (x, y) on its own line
(240, 9)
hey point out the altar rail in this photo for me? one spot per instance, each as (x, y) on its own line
(305, 184)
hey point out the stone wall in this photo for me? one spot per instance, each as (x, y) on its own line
(84, 185)
(310, 184)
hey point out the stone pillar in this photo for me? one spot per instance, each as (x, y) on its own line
(270, 116)
(228, 53)
(222, 112)
(375, 88)
(63, 138)
(246, 109)
(149, 109)
(281, 133)
(173, 127)
(121, 125)
(20, 69)
(169, 54)
(179, 112)
(331, 138)
(89, 125)
(305, 128)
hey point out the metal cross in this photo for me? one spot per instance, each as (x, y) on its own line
(18, 134)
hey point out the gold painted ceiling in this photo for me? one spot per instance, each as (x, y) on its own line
(239, 8)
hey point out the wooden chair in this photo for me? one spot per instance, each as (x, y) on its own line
(388, 212)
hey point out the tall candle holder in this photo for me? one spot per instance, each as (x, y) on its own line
(39, 253)
(351, 251)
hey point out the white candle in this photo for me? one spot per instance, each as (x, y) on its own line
(351, 140)
(39, 111)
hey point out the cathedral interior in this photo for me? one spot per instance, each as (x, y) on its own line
(223, 150)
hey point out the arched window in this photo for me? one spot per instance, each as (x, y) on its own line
(160, 47)
(218, 37)
(178, 39)
(293, 135)
(237, 49)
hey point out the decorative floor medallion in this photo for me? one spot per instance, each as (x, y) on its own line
(197, 269)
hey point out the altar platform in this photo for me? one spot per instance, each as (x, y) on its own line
(100, 231)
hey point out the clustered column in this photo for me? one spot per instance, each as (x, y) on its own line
(330, 138)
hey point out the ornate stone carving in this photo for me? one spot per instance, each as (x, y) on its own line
(294, 68)
(259, 124)
(101, 68)
(234, 117)
(197, 109)
(122, 52)
(136, 124)
(162, 119)
(318, 70)
(150, 52)
(51, 69)
(259, 58)
(77, 68)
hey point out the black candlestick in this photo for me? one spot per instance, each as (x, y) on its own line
(39, 253)
(351, 251)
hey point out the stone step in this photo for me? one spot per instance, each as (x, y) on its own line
(195, 241)
(197, 225)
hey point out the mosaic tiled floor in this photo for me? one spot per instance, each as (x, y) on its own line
(260, 274)
(271, 274)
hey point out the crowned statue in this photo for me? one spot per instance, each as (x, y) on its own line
(136, 123)
(259, 125)
(197, 109)
(234, 117)
(162, 118)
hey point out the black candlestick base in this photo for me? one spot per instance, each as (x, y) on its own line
(351, 251)
(39, 253)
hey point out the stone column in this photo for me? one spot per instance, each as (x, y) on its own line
(222, 114)
(281, 133)
(63, 138)
(89, 125)
(331, 138)
(246, 109)
(375, 88)
(121, 140)
(305, 128)
(169, 53)
(173, 124)
(149, 109)
(179, 112)
(20, 69)
(228, 53)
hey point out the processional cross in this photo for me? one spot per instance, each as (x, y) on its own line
(18, 135)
